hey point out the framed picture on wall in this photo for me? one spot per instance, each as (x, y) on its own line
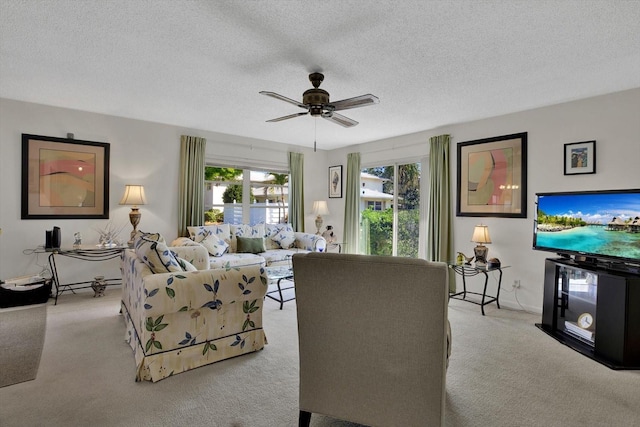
(64, 178)
(492, 177)
(580, 158)
(335, 182)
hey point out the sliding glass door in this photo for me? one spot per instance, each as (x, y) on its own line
(390, 209)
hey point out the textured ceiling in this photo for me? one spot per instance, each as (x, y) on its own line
(201, 64)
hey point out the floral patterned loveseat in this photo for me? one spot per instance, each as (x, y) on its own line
(179, 320)
(279, 243)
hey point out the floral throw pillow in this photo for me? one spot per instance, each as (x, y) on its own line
(284, 236)
(215, 245)
(153, 251)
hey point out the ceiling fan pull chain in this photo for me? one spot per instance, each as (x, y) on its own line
(315, 132)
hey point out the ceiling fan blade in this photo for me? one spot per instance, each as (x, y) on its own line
(284, 98)
(290, 116)
(355, 102)
(339, 119)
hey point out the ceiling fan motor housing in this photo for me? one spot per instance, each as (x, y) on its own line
(315, 99)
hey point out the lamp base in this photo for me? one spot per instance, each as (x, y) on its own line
(481, 253)
(318, 224)
(134, 217)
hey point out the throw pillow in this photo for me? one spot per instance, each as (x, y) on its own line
(244, 230)
(250, 245)
(284, 237)
(221, 230)
(153, 251)
(215, 245)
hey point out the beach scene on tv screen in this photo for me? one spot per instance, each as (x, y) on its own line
(606, 224)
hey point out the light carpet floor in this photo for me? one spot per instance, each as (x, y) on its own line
(503, 372)
(22, 331)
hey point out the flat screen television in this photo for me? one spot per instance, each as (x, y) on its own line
(591, 226)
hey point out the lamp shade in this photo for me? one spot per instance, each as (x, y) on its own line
(133, 195)
(320, 208)
(481, 234)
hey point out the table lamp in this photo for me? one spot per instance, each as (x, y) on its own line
(481, 236)
(133, 196)
(319, 208)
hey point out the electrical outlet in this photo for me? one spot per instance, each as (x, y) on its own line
(516, 284)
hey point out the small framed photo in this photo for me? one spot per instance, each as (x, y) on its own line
(580, 158)
(335, 182)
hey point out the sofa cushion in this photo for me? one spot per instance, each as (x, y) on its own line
(252, 245)
(184, 241)
(220, 230)
(153, 251)
(232, 261)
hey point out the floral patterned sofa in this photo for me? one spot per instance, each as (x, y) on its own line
(234, 245)
(181, 315)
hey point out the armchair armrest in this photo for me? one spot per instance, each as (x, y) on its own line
(195, 254)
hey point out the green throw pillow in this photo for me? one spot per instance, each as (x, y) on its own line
(251, 245)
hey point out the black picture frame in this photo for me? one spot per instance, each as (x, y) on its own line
(64, 178)
(335, 182)
(580, 158)
(492, 177)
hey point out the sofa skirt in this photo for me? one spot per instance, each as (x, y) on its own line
(157, 365)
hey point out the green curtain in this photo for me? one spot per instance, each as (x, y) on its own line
(352, 204)
(296, 187)
(440, 216)
(191, 191)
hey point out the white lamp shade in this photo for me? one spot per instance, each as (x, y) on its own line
(481, 234)
(320, 208)
(133, 195)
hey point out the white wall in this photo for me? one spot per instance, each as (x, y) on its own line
(141, 153)
(612, 120)
(148, 153)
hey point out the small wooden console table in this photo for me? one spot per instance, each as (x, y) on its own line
(468, 270)
(85, 253)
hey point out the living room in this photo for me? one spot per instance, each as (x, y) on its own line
(610, 119)
(146, 151)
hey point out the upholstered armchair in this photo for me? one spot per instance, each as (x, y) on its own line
(372, 337)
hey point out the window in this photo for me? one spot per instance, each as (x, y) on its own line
(374, 205)
(245, 196)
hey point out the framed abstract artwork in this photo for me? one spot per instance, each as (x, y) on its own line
(580, 158)
(64, 178)
(492, 177)
(335, 182)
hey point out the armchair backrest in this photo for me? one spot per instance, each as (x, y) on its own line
(372, 338)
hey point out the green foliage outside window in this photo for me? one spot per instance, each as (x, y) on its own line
(380, 231)
(213, 216)
(221, 174)
(234, 192)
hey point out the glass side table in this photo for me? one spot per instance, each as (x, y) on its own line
(469, 270)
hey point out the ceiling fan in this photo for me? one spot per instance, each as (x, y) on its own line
(316, 102)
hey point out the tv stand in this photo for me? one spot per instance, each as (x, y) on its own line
(594, 311)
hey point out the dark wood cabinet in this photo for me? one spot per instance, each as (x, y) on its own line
(593, 310)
